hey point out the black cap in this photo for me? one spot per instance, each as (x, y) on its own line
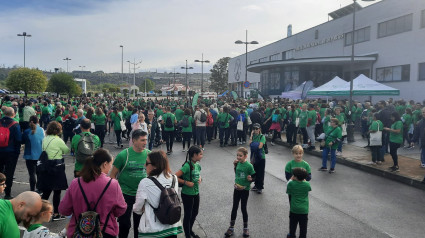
(256, 125)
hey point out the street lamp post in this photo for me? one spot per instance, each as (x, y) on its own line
(129, 72)
(82, 69)
(67, 60)
(246, 57)
(187, 84)
(134, 75)
(122, 62)
(350, 127)
(202, 61)
(25, 35)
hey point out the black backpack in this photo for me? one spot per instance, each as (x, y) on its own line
(265, 147)
(169, 209)
(169, 121)
(85, 147)
(203, 117)
(88, 223)
(185, 122)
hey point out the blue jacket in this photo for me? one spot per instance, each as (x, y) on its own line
(256, 153)
(214, 113)
(33, 143)
(15, 137)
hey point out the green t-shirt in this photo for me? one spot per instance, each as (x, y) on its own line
(312, 117)
(326, 123)
(341, 118)
(331, 135)
(33, 227)
(408, 120)
(303, 115)
(224, 117)
(159, 113)
(131, 174)
(189, 128)
(375, 125)
(116, 118)
(74, 145)
(260, 138)
(241, 173)
(298, 190)
(294, 164)
(99, 120)
(59, 119)
(397, 137)
(164, 119)
(179, 114)
(196, 173)
(8, 226)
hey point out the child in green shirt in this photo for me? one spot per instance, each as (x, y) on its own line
(244, 173)
(297, 152)
(298, 189)
(36, 229)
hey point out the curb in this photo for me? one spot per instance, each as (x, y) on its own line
(386, 174)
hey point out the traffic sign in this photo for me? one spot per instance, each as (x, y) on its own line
(246, 84)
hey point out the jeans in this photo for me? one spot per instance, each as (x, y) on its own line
(294, 220)
(376, 153)
(200, 135)
(305, 135)
(242, 196)
(125, 220)
(100, 132)
(291, 135)
(393, 151)
(325, 153)
(210, 131)
(186, 138)
(8, 162)
(169, 139)
(310, 132)
(233, 134)
(259, 168)
(191, 209)
(241, 136)
(385, 141)
(56, 198)
(32, 166)
(224, 136)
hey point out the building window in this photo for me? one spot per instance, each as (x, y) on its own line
(422, 71)
(394, 73)
(395, 26)
(275, 57)
(264, 59)
(253, 62)
(289, 54)
(316, 34)
(274, 81)
(360, 35)
(423, 19)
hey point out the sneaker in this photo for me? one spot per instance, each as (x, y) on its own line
(183, 150)
(229, 232)
(58, 217)
(323, 169)
(168, 152)
(371, 163)
(395, 169)
(423, 165)
(245, 232)
(254, 188)
(379, 162)
(338, 153)
(331, 171)
(259, 191)
(272, 143)
(122, 145)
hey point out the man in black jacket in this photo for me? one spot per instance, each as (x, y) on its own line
(384, 115)
(233, 126)
(419, 132)
(154, 129)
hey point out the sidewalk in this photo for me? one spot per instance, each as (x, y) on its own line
(356, 155)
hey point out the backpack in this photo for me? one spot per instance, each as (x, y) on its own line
(210, 120)
(203, 117)
(169, 208)
(274, 117)
(265, 147)
(43, 161)
(168, 121)
(5, 134)
(88, 223)
(85, 147)
(185, 122)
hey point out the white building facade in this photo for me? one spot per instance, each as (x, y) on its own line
(389, 48)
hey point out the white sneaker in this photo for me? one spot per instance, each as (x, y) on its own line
(183, 150)
(271, 143)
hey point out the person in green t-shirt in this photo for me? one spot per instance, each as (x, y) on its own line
(169, 120)
(298, 189)
(223, 126)
(333, 138)
(190, 176)
(187, 130)
(258, 157)
(99, 120)
(244, 175)
(396, 138)
(22, 208)
(130, 164)
(116, 117)
(375, 127)
(303, 121)
(297, 152)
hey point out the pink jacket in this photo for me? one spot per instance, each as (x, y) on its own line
(112, 201)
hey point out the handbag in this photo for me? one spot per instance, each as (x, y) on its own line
(239, 126)
(376, 138)
(344, 129)
(297, 122)
(248, 120)
(122, 125)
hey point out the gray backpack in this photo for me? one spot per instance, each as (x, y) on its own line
(85, 147)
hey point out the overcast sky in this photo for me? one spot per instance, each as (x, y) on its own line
(161, 33)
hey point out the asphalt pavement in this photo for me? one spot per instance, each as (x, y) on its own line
(348, 203)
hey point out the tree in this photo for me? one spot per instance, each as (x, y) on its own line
(219, 74)
(150, 85)
(63, 83)
(27, 80)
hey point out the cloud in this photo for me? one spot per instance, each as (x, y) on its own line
(252, 8)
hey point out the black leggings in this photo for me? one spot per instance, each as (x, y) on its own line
(118, 134)
(242, 196)
(186, 138)
(169, 139)
(305, 135)
(100, 132)
(56, 198)
(191, 208)
(393, 152)
(31, 166)
(294, 220)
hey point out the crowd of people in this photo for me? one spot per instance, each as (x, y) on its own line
(120, 190)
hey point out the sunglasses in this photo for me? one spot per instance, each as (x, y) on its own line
(147, 163)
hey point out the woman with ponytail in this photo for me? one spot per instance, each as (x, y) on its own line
(189, 176)
(33, 139)
(93, 181)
